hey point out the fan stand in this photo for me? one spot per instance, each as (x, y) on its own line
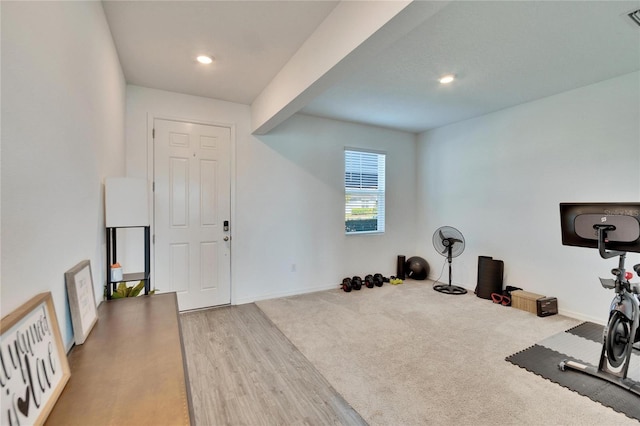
(450, 289)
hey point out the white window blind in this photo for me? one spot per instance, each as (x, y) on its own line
(364, 187)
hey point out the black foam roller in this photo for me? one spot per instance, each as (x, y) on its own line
(400, 267)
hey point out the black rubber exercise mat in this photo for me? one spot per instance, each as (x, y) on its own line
(582, 343)
(588, 330)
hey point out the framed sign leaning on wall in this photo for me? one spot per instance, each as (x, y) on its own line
(33, 363)
(82, 300)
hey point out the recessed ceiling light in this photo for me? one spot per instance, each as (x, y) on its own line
(203, 59)
(446, 79)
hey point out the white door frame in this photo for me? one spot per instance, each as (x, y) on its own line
(151, 117)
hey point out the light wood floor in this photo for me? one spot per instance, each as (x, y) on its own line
(244, 371)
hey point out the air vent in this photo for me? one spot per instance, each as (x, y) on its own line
(635, 17)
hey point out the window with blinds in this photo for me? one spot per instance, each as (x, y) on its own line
(364, 186)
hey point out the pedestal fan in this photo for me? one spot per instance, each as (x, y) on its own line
(449, 242)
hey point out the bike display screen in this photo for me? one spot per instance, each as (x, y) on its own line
(580, 221)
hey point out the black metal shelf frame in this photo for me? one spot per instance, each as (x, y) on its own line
(112, 257)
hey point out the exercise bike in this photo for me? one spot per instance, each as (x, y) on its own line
(622, 330)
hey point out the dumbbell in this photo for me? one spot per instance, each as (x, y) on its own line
(346, 284)
(369, 281)
(378, 280)
(356, 283)
(393, 280)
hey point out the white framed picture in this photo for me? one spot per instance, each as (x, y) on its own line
(82, 300)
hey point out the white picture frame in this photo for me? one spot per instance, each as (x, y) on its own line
(82, 300)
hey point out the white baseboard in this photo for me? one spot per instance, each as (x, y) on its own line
(582, 317)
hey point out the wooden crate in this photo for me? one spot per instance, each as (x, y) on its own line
(525, 300)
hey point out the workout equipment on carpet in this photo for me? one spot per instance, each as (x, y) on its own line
(379, 280)
(346, 285)
(373, 280)
(417, 268)
(400, 267)
(614, 229)
(368, 281)
(581, 342)
(504, 297)
(490, 277)
(449, 242)
(356, 283)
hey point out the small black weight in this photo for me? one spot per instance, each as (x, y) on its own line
(368, 281)
(346, 284)
(356, 283)
(378, 280)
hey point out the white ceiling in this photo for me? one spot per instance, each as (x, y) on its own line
(158, 41)
(503, 52)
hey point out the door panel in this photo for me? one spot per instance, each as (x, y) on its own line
(179, 191)
(192, 198)
(179, 255)
(208, 172)
(208, 251)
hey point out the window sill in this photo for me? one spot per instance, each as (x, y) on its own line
(364, 233)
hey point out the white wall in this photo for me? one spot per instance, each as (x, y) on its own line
(300, 170)
(63, 99)
(500, 178)
(289, 202)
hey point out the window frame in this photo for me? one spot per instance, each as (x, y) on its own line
(380, 193)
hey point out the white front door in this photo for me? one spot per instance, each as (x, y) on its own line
(192, 204)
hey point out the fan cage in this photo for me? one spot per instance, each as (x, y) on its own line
(448, 233)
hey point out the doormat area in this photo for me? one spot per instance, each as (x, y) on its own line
(582, 343)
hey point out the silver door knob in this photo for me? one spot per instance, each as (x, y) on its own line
(226, 238)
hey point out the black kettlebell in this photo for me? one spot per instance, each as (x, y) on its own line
(378, 280)
(346, 284)
(356, 283)
(368, 281)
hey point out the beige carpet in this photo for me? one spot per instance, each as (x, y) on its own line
(408, 355)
